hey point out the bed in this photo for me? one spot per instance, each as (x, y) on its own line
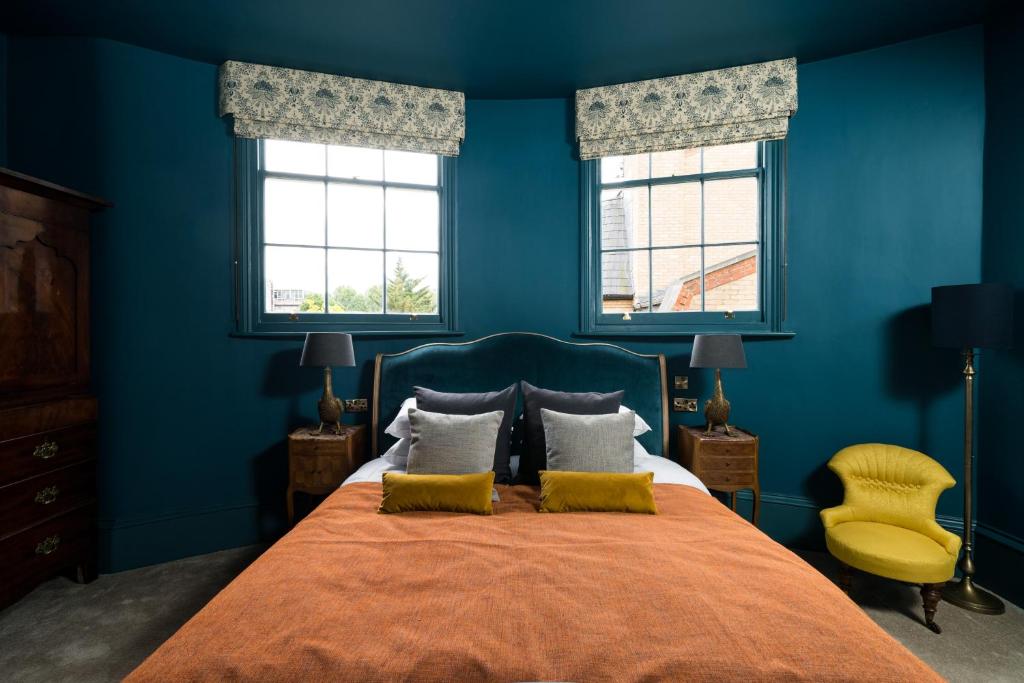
(693, 593)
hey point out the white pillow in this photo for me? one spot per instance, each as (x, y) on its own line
(399, 427)
(639, 425)
(398, 454)
(639, 451)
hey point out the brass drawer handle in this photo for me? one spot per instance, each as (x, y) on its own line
(47, 495)
(48, 545)
(45, 450)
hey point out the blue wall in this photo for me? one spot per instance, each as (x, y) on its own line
(885, 160)
(1000, 461)
(3, 99)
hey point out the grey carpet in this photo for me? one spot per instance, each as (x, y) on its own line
(66, 632)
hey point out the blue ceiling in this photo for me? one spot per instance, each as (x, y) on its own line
(497, 48)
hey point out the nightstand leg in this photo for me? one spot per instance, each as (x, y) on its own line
(757, 505)
(291, 506)
(732, 501)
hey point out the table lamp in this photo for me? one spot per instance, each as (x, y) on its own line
(968, 317)
(717, 351)
(326, 350)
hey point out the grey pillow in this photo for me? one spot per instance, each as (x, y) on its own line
(474, 404)
(589, 443)
(452, 444)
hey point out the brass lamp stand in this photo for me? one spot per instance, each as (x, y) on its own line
(964, 593)
(325, 350)
(970, 317)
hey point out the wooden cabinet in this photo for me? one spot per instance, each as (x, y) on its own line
(47, 416)
(318, 463)
(724, 463)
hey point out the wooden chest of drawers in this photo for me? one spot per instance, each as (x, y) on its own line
(724, 463)
(318, 463)
(47, 417)
(47, 494)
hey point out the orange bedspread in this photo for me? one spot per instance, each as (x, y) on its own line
(694, 594)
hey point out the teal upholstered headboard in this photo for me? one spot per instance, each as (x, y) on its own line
(499, 360)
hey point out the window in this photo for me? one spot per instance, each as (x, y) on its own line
(344, 238)
(684, 241)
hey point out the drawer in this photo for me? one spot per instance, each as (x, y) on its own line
(723, 478)
(46, 417)
(37, 553)
(320, 473)
(29, 456)
(727, 464)
(727, 449)
(34, 500)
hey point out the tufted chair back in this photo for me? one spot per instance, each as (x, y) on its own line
(890, 485)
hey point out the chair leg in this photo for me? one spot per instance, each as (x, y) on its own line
(845, 578)
(931, 593)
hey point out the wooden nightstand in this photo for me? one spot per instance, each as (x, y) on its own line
(318, 463)
(724, 463)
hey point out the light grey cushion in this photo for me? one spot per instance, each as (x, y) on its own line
(589, 443)
(452, 444)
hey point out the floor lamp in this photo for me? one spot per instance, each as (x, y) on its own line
(969, 317)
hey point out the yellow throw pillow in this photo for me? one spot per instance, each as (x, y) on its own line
(597, 492)
(437, 492)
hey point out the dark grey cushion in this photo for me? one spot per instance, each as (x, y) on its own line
(588, 443)
(475, 404)
(534, 455)
(452, 444)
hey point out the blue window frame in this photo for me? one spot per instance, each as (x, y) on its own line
(684, 242)
(344, 239)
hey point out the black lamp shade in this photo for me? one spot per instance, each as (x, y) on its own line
(328, 349)
(718, 351)
(972, 316)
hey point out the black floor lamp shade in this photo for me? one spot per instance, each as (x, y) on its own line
(972, 316)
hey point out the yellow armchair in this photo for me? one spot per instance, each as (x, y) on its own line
(886, 524)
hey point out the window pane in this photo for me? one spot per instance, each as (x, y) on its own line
(623, 277)
(294, 280)
(355, 280)
(676, 279)
(293, 157)
(293, 212)
(355, 162)
(631, 167)
(624, 218)
(412, 282)
(730, 278)
(730, 157)
(355, 216)
(675, 214)
(410, 167)
(413, 220)
(676, 162)
(730, 210)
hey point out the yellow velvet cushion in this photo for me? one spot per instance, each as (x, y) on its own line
(597, 492)
(890, 551)
(437, 492)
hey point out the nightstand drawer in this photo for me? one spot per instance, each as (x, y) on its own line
(741, 463)
(721, 448)
(720, 478)
(320, 472)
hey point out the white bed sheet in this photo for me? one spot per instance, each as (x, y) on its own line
(665, 471)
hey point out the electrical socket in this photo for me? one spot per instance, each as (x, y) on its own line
(684, 405)
(355, 405)
(682, 382)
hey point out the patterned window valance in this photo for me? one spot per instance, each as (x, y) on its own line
(271, 102)
(720, 107)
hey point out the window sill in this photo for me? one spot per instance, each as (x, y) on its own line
(666, 334)
(357, 334)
